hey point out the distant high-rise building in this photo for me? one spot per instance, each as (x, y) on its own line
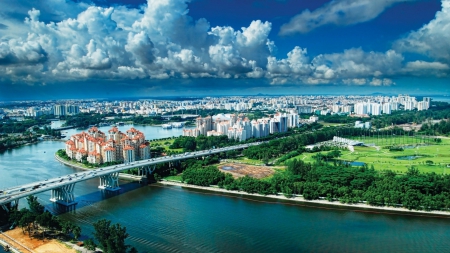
(427, 102)
(304, 109)
(59, 110)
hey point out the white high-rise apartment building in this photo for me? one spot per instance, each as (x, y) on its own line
(394, 106)
(336, 108)
(409, 105)
(348, 108)
(292, 119)
(361, 108)
(386, 108)
(421, 106)
(375, 109)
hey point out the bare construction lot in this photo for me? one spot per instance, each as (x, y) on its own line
(241, 170)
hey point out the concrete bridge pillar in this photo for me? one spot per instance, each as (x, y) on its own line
(144, 171)
(110, 182)
(63, 195)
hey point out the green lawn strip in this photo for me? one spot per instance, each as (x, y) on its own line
(331, 124)
(392, 140)
(305, 157)
(247, 161)
(174, 178)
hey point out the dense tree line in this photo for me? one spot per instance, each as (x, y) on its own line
(443, 128)
(201, 142)
(12, 126)
(338, 182)
(8, 141)
(84, 120)
(342, 119)
(47, 130)
(154, 120)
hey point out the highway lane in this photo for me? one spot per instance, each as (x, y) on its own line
(21, 191)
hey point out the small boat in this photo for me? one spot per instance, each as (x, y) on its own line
(6, 248)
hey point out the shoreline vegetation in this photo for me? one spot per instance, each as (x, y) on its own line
(301, 199)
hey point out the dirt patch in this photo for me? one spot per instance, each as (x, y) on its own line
(25, 243)
(241, 170)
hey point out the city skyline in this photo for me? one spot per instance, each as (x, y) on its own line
(56, 49)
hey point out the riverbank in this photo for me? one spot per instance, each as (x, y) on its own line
(382, 209)
(122, 176)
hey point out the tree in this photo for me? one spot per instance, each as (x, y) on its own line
(111, 238)
(133, 250)
(26, 220)
(76, 230)
(90, 244)
(45, 221)
(102, 232)
(35, 206)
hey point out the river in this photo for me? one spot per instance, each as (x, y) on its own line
(174, 219)
(150, 132)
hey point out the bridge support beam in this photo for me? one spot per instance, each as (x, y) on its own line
(13, 205)
(143, 171)
(110, 182)
(64, 195)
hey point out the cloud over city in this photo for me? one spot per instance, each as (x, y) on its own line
(160, 40)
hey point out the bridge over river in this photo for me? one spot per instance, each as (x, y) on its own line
(63, 187)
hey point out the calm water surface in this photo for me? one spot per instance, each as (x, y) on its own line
(173, 219)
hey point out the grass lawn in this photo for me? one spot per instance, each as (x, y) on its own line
(165, 144)
(325, 124)
(174, 178)
(306, 157)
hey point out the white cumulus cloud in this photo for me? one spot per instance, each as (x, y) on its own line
(337, 12)
(160, 40)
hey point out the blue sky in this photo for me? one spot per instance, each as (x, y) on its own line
(52, 49)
